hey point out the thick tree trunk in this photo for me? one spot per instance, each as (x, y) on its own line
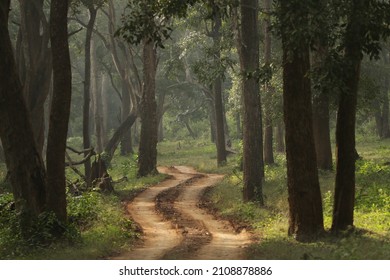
(60, 110)
(248, 48)
(147, 157)
(87, 92)
(268, 131)
(24, 163)
(37, 64)
(304, 196)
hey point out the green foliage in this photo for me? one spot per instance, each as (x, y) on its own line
(370, 240)
(150, 20)
(83, 210)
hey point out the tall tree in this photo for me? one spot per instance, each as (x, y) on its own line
(60, 109)
(268, 131)
(366, 24)
(321, 117)
(344, 199)
(35, 66)
(248, 49)
(217, 87)
(147, 158)
(92, 10)
(304, 196)
(24, 163)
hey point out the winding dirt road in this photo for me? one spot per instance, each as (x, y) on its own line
(173, 225)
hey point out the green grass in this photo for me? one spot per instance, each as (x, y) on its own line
(199, 154)
(371, 240)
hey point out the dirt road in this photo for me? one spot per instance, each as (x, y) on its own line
(173, 225)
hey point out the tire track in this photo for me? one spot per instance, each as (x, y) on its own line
(175, 227)
(158, 235)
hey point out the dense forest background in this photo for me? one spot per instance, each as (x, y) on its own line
(288, 99)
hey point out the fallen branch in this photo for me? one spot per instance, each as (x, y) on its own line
(79, 152)
(91, 153)
(70, 164)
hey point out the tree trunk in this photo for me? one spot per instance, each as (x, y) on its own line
(268, 132)
(344, 200)
(60, 110)
(2, 158)
(321, 116)
(385, 110)
(126, 143)
(322, 131)
(210, 105)
(87, 92)
(96, 92)
(37, 68)
(217, 91)
(24, 163)
(280, 146)
(304, 196)
(248, 48)
(113, 143)
(147, 157)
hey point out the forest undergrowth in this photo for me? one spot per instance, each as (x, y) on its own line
(100, 228)
(370, 239)
(98, 225)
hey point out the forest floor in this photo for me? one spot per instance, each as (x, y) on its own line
(175, 226)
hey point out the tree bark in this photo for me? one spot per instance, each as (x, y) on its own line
(280, 146)
(2, 158)
(87, 91)
(126, 143)
(344, 200)
(217, 91)
(37, 64)
(321, 116)
(268, 131)
(248, 48)
(147, 157)
(304, 196)
(24, 163)
(113, 143)
(385, 110)
(60, 110)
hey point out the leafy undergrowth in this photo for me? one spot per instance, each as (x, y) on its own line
(370, 239)
(98, 226)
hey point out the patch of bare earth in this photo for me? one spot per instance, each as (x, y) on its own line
(174, 225)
